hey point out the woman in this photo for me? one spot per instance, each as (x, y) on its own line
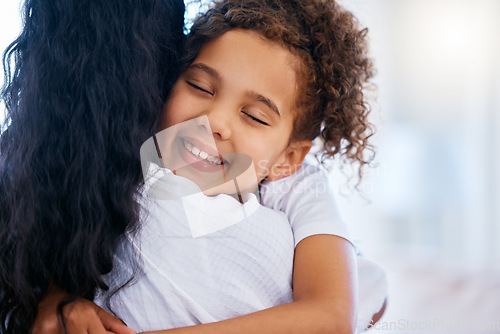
(69, 163)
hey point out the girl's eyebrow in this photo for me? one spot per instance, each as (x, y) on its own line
(207, 69)
(252, 94)
(267, 101)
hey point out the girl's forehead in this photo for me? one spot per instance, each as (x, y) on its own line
(248, 59)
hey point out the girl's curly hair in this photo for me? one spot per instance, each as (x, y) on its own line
(85, 83)
(335, 69)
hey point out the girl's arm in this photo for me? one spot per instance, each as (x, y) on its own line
(308, 201)
(325, 295)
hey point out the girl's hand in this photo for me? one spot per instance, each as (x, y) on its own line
(81, 316)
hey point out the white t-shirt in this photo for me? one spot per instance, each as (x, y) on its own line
(206, 259)
(191, 274)
(307, 199)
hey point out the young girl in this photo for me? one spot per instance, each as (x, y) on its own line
(270, 77)
(264, 78)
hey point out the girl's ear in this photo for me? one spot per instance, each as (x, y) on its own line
(291, 160)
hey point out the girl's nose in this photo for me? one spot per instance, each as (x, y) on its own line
(220, 124)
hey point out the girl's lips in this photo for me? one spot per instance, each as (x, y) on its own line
(195, 161)
(203, 147)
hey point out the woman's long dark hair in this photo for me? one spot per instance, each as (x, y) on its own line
(84, 85)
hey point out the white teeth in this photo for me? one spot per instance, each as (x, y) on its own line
(201, 154)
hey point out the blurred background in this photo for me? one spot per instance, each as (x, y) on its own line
(429, 209)
(430, 213)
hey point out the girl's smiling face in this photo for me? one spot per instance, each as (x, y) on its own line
(246, 87)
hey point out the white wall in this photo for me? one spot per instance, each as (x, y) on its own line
(10, 25)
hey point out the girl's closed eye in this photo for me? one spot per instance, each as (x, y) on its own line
(200, 88)
(253, 118)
